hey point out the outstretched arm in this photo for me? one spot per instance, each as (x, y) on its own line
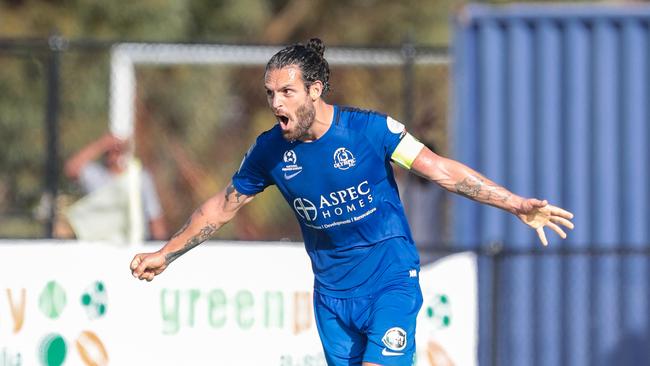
(461, 179)
(204, 222)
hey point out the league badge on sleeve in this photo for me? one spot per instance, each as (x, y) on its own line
(394, 126)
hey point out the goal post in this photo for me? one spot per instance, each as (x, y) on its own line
(125, 56)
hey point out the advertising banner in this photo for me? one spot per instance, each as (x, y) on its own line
(76, 303)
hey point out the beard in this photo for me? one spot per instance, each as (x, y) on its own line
(305, 116)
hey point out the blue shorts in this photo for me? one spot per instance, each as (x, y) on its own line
(378, 328)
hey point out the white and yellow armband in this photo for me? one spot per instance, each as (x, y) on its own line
(406, 151)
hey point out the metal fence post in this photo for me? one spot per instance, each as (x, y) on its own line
(56, 45)
(495, 250)
(408, 87)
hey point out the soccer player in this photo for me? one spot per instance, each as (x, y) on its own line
(333, 166)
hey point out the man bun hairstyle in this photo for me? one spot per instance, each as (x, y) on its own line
(317, 46)
(309, 58)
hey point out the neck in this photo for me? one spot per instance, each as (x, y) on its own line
(322, 120)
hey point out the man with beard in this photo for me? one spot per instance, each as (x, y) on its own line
(333, 166)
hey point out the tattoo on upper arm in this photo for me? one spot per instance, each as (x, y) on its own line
(203, 235)
(470, 186)
(230, 190)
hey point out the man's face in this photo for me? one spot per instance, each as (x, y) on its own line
(289, 101)
(115, 157)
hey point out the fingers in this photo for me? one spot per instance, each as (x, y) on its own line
(562, 221)
(135, 262)
(542, 235)
(142, 269)
(146, 266)
(560, 212)
(557, 229)
(147, 275)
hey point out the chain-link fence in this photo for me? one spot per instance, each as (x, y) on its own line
(192, 124)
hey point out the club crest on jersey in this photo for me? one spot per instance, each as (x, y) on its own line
(291, 168)
(395, 339)
(343, 159)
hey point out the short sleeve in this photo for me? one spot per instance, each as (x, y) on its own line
(251, 177)
(93, 176)
(386, 132)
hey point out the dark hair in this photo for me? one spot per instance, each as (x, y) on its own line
(308, 58)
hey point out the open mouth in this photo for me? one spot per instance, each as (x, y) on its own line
(283, 119)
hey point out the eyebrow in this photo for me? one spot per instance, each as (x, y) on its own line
(285, 86)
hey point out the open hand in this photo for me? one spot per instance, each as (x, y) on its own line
(537, 214)
(145, 266)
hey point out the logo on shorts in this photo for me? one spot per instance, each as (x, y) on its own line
(386, 352)
(343, 159)
(291, 168)
(395, 339)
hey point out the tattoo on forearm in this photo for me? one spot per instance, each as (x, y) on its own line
(230, 190)
(197, 239)
(470, 186)
(182, 229)
(187, 224)
(498, 194)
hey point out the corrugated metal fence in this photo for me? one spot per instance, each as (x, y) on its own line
(552, 102)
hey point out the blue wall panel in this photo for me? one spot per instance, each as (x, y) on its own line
(548, 184)
(552, 102)
(577, 190)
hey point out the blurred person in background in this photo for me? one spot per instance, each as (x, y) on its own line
(333, 166)
(102, 163)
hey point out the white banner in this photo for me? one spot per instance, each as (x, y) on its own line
(70, 303)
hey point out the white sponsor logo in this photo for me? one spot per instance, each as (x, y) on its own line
(289, 176)
(394, 126)
(413, 273)
(355, 200)
(395, 339)
(305, 209)
(343, 159)
(345, 200)
(292, 168)
(386, 352)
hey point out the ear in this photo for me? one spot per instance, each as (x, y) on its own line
(315, 90)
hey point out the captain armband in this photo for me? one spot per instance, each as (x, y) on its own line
(406, 151)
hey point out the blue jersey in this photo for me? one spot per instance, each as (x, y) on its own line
(343, 193)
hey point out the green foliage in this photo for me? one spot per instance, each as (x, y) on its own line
(227, 20)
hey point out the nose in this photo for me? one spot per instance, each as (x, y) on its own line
(276, 101)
